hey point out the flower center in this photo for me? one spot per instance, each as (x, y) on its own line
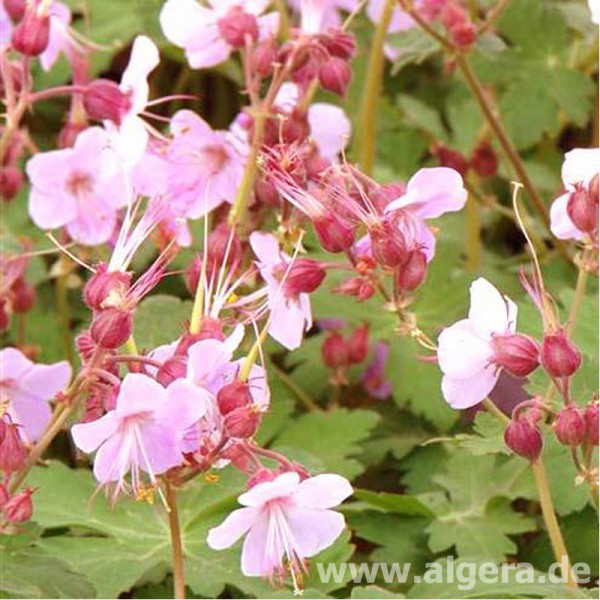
(80, 183)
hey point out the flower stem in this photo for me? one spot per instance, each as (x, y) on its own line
(300, 394)
(473, 235)
(552, 526)
(582, 277)
(176, 544)
(367, 124)
(63, 311)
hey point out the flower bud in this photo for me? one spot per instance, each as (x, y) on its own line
(593, 189)
(223, 245)
(335, 75)
(358, 345)
(111, 327)
(12, 450)
(15, 8)
(11, 181)
(413, 271)
(463, 34)
(334, 234)
(210, 329)
(236, 26)
(591, 423)
(261, 476)
(340, 44)
(23, 296)
(453, 14)
(303, 277)
(484, 160)
(315, 165)
(233, 395)
(241, 422)
(334, 351)
(267, 193)
(570, 426)
(450, 158)
(4, 316)
(524, 438)
(263, 56)
(172, 369)
(559, 356)
(105, 289)
(388, 245)
(32, 35)
(517, 353)
(19, 508)
(582, 210)
(104, 100)
(359, 287)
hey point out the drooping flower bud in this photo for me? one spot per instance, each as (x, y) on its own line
(334, 351)
(303, 277)
(20, 507)
(559, 356)
(570, 426)
(335, 75)
(12, 451)
(15, 8)
(450, 158)
(104, 100)
(242, 422)
(111, 327)
(267, 193)
(32, 35)
(388, 245)
(233, 395)
(263, 57)
(519, 354)
(582, 210)
(360, 288)
(484, 160)
(210, 329)
(236, 26)
(358, 345)
(591, 422)
(413, 271)
(341, 44)
(463, 34)
(23, 296)
(524, 438)
(11, 181)
(172, 369)
(334, 234)
(105, 289)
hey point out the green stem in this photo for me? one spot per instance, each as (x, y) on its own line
(367, 124)
(582, 277)
(64, 316)
(473, 235)
(300, 394)
(176, 543)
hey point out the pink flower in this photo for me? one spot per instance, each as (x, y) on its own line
(80, 188)
(130, 138)
(143, 432)
(320, 15)
(284, 520)
(466, 351)
(204, 167)
(290, 315)
(27, 387)
(201, 30)
(374, 378)
(579, 168)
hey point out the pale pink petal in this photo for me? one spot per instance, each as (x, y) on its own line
(330, 129)
(32, 414)
(560, 222)
(187, 123)
(282, 486)
(490, 311)
(323, 491)
(185, 405)
(111, 462)
(144, 59)
(580, 166)
(94, 224)
(13, 364)
(287, 97)
(88, 436)
(314, 530)
(205, 358)
(461, 352)
(268, 25)
(46, 211)
(399, 21)
(287, 320)
(266, 248)
(232, 528)
(130, 140)
(464, 393)
(45, 381)
(160, 448)
(257, 560)
(139, 393)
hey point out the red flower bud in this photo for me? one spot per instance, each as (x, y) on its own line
(334, 234)
(12, 450)
(241, 422)
(267, 193)
(359, 287)
(340, 44)
(233, 395)
(484, 160)
(315, 165)
(335, 75)
(450, 158)
(388, 245)
(105, 289)
(23, 296)
(303, 277)
(4, 316)
(11, 181)
(223, 243)
(453, 14)
(358, 345)
(104, 100)
(236, 26)
(19, 508)
(15, 8)
(570, 426)
(593, 189)
(334, 351)
(559, 356)
(263, 56)
(524, 438)
(111, 327)
(31, 36)
(463, 34)
(413, 271)
(517, 353)
(172, 369)
(591, 422)
(583, 210)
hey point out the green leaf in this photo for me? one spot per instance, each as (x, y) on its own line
(414, 46)
(487, 436)
(330, 438)
(160, 320)
(422, 116)
(372, 591)
(394, 503)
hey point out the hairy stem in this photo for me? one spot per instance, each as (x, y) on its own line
(176, 543)
(367, 123)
